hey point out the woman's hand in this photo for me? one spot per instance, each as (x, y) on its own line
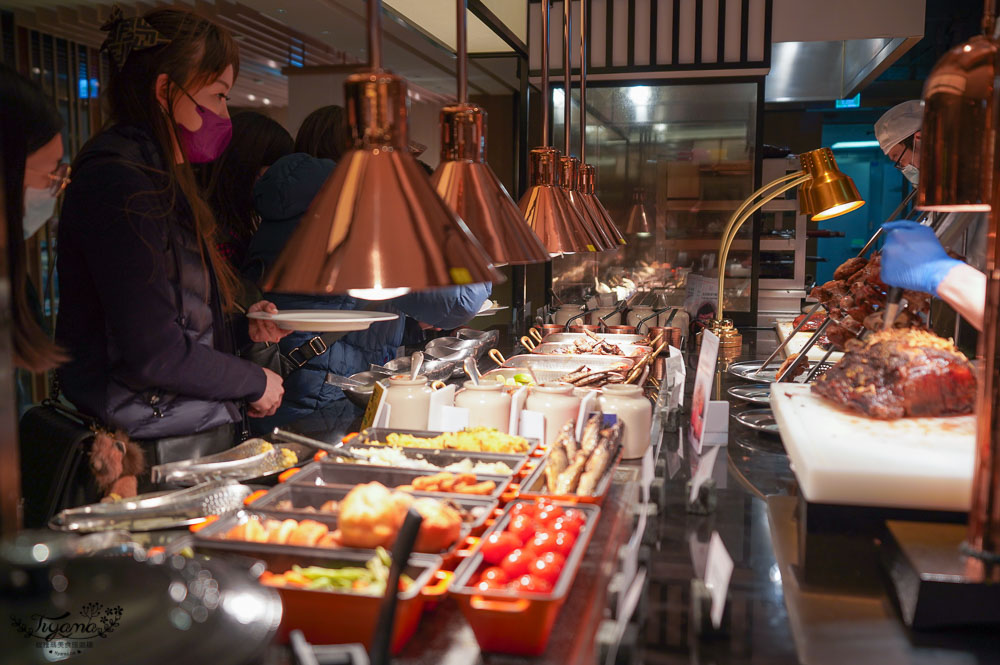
(262, 330)
(271, 399)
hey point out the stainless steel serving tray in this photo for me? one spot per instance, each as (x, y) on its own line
(158, 510)
(567, 363)
(761, 420)
(748, 371)
(569, 338)
(755, 393)
(561, 348)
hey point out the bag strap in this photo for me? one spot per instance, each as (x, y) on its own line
(319, 344)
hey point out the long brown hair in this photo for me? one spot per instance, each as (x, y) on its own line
(28, 120)
(323, 133)
(197, 54)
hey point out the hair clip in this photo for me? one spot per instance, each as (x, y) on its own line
(128, 34)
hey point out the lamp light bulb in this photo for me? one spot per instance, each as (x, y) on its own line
(378, 293)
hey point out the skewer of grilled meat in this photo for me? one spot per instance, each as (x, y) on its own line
(856, 293)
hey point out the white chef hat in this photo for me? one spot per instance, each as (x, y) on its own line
(899, 122)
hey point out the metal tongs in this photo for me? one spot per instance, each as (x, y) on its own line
(284, 435)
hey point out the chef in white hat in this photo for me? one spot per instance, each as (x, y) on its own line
(913, 256)
(898, 134)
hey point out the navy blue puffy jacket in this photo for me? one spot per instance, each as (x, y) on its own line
(281, 196)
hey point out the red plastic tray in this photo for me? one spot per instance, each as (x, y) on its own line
(507, 622)
(333, 617)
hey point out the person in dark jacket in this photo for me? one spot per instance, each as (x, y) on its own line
(282, 196)
(258, 141)
(143, 288)
(33, 175)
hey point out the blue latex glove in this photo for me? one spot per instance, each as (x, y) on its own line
(913, 258)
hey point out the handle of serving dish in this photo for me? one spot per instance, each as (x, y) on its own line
(440, 586)
(286, 474)
(253, 497)
(195, 528)
(497, 605)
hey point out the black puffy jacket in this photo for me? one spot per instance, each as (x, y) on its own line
(139, 312)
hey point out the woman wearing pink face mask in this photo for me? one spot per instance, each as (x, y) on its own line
(143, 290)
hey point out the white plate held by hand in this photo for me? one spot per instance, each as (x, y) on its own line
(324, 320)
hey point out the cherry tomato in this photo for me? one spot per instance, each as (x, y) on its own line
(548, 567)
(549, 514)
(495, 574)
(490, 585)
(523, 527)
(544, 541)
(499, 545)
(517, 562)
(574, 519)
(563, 542)
(523, 509)
(530, 584)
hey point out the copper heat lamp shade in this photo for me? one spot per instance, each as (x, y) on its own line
(548, 210)
(585, 181)
(638, 217)
(570, 176)
(470, 187)
(377, 227)
(955, 171)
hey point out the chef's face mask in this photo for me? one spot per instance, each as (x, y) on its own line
(206, 143)
(911, 173)
(39, 207)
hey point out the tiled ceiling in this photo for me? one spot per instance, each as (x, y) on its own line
(275, 34)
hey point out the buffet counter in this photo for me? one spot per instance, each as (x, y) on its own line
(773, 616)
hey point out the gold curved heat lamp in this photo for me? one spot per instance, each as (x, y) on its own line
(377, 229)
(825, 192)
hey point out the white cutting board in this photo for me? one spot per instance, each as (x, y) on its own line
(842, 458)
(785, 328)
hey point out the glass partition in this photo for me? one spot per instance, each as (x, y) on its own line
(684, 153)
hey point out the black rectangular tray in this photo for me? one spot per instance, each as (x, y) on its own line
(440, 458)
(212, 533)
(305, 496)
(381, 434)
(320, 474)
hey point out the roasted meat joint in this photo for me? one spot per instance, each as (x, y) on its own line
(901, 373)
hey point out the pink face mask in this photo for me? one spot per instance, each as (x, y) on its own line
(206, 143)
